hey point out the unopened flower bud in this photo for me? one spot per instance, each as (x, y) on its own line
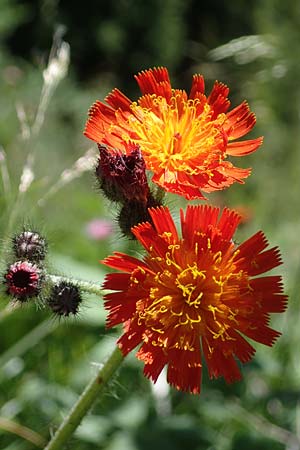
(122, 177)
(135, 212)
(23, 280)
(64, 299)
(30, 245)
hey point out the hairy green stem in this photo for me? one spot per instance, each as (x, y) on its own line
(85, 401)
(86, 286)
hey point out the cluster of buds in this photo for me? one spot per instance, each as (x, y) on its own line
(122, 179)
(25, 277)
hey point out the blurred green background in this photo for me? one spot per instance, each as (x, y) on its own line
(254, 47)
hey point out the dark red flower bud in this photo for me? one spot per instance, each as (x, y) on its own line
(30, 245)
(64, 299)
(23, 280)
(122, 177)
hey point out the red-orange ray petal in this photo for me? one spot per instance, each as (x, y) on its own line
(116, 279)
(239, 121)
(262, 334)
(185, 369)
(228, 223)
(242, 349)
(220, 365)
(154, 360)
(130, 339)
(119, 311)
(242, 148)
(252, 246)
(121, 261)
(163, 221)
(218, 99)
(116, 99)
(198, 86)
(154, 81)
(199, 217)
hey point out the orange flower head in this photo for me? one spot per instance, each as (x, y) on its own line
(194, 297)
(184, 139)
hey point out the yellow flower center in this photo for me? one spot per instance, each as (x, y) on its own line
(188, 282)
(179, 135)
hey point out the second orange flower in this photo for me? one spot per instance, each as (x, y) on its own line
(185, 139)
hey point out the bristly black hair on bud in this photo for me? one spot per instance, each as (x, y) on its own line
(135, 212)
(23, 280)
(30, 245)
(64, 299)
(122, 177)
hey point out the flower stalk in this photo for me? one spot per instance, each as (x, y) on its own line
(85, 286)
(92, 392)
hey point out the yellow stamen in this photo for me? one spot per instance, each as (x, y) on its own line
(174, 134)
